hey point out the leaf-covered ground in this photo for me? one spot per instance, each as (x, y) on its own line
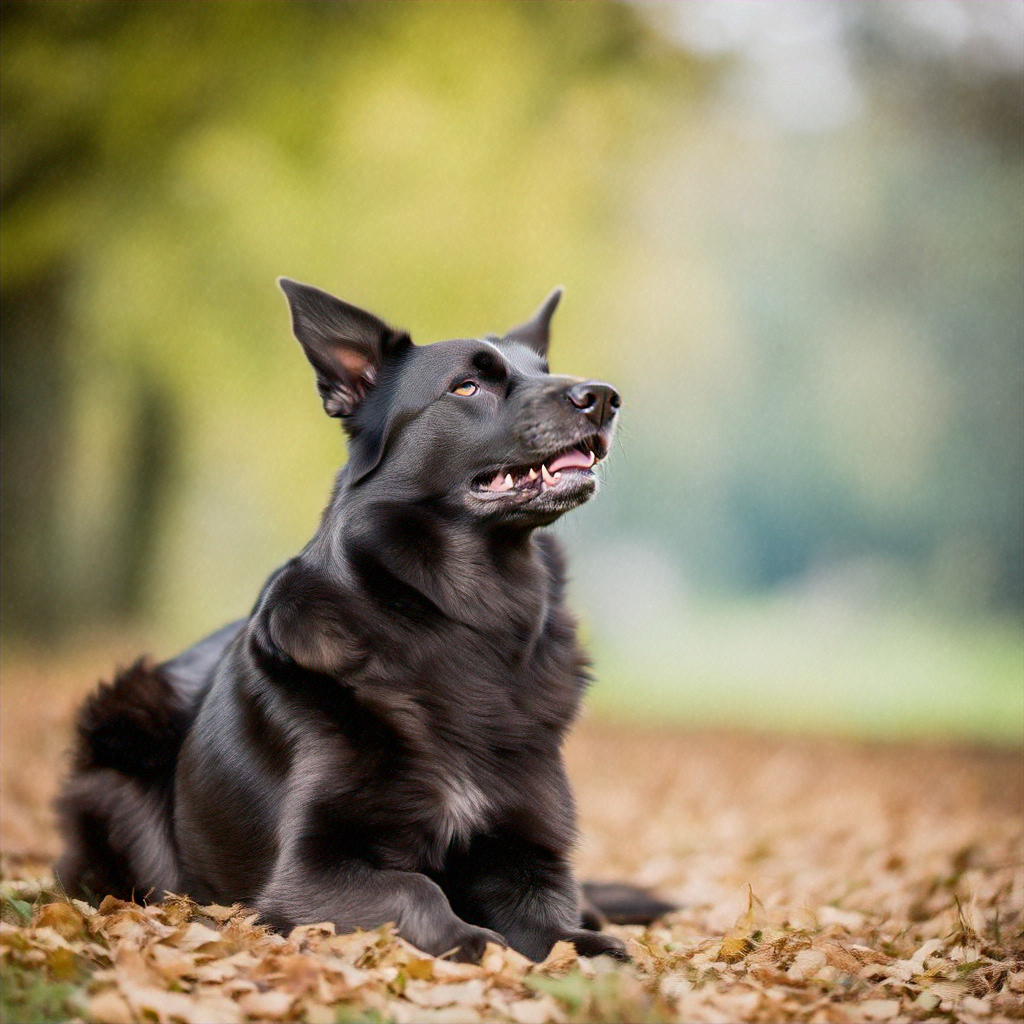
(817, 880)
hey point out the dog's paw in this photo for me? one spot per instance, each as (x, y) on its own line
(590, 943)
(468, 945)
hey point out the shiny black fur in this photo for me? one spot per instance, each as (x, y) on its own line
(381, 739)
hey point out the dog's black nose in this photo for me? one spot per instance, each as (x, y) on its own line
(595, 400)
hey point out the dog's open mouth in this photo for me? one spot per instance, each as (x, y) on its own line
(551, 473)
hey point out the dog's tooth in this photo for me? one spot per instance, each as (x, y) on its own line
(547, 475)
(532, 475)
(501, 483)
(593, 458)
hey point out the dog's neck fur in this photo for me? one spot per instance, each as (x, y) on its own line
(489, 579)
(370, 604)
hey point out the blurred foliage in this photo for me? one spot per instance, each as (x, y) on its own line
(163, 163)
(818, 332)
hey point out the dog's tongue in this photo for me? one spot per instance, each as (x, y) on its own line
(570, 459)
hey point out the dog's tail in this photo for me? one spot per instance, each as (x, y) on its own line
(621, 904)
(134, 725)
(115, 806)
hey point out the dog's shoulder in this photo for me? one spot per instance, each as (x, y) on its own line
(307, 618)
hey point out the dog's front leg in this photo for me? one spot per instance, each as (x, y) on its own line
(526, 892)
(355, 895)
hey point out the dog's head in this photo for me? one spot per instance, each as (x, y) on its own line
(470, 425)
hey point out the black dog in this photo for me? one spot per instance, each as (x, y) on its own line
(380, 740)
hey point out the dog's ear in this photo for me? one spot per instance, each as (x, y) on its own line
(536, 331)
(345, 344)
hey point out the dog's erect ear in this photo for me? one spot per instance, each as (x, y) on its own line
(535, 332)
(345, 344)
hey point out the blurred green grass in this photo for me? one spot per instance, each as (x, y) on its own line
(767, 666)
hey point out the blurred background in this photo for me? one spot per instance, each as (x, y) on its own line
(789, 232)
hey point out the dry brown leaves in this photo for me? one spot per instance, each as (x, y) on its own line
(817, 881)
(176, 962)
(212, 965)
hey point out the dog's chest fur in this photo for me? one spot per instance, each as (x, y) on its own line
(463, 808)
(447, 736)
(471, 760)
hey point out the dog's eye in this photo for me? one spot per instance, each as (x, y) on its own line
(467, 387)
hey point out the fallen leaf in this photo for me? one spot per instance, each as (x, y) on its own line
(63, 965)
(178, 909)
(109, 1007)
(541, 1010)
(561, 957)
(219, 913)
(171, 962)
(971, 1004)
(194, 936)
(839, 956)
(266, 1005)
(179, 1008)
(63, 918)
(111, 904)
(879, 1009)
(467, 993)
(422, 970)
(806, 964)
(927, 1001)
(503, 960)
(733, 950)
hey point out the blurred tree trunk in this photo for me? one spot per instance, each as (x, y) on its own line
(44, 595)
(54, 154)
(34, 406)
